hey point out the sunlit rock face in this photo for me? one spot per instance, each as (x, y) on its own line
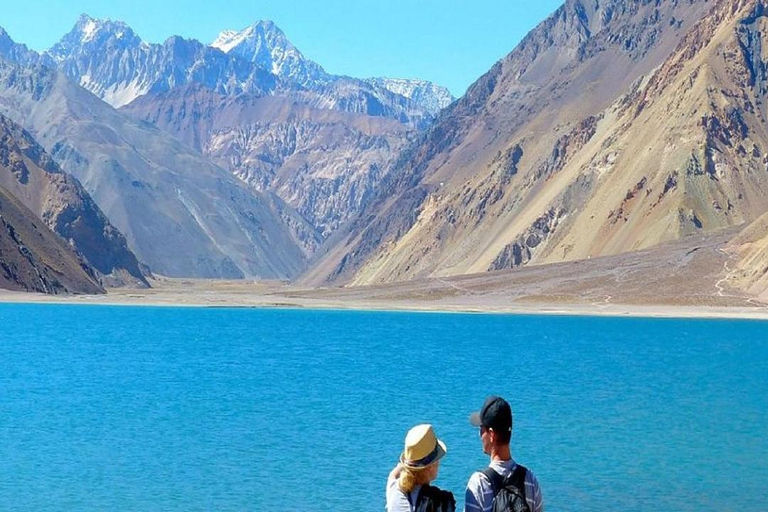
(612, 127)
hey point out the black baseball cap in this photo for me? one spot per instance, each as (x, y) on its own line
(495, 414)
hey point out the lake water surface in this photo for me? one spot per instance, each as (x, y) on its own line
(145, 409)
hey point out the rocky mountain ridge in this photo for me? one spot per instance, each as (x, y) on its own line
(612, 127)
(63, 205)
(109, 59)
(265, 45)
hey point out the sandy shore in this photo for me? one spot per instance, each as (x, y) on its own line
(684, 279)
(203, 293)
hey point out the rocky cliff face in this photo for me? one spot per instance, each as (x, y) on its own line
(33, 258)
(61, 202)
(181, 215)
(325, 164)
(612, 127)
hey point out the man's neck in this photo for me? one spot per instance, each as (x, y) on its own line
(500, 454)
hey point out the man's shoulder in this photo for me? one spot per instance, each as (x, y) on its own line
(478, 476)
(530, 475)
(479, 481)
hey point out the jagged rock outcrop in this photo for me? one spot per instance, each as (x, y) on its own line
(639, 122)
(61, 202)
(35, 259)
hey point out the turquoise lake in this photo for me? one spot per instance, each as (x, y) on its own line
(173, 409)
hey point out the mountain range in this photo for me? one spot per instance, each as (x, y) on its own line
(181, 213)
(613, 126)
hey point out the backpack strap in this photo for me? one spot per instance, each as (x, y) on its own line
(497, 481)
(516, 479)
(415, 503)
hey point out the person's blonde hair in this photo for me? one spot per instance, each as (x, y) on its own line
(410, 478)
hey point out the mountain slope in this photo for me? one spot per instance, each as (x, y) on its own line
(33, 258)
(612, 127)
(28, 173)
(180, 214)
(749, 273)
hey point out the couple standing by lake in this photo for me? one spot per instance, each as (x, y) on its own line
(504, 486)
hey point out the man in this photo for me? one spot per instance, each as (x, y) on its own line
(510, 484)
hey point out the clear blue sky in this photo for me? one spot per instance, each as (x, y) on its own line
(450, 42)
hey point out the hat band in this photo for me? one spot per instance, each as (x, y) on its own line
(426, 461)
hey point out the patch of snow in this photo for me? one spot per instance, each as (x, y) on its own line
(122, 94)
(228, 39)
(89, 30)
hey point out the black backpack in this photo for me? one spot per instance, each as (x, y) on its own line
(508, 492)
(433, 499)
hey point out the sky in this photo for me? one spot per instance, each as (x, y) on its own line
(449, 42)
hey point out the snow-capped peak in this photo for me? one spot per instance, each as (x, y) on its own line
(265, 45)
(251, 37)
(89, 32)
(88, 29)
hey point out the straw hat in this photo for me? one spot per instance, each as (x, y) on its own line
(422, 448)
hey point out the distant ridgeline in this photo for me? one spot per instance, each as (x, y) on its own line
(613, 126)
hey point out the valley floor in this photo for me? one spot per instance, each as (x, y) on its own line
(687, 278)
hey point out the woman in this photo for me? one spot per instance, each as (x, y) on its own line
(408, 488)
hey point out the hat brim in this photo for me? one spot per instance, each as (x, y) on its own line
(441, 451)
(474, 419)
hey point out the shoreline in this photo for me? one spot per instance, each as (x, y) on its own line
(163, 299)
(670, 281)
